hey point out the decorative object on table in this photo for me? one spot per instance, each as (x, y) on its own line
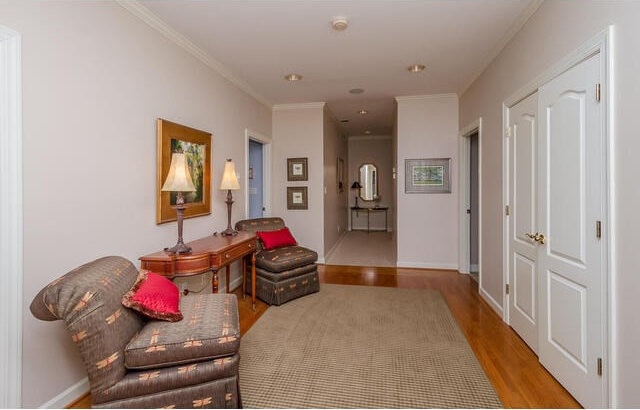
(297, 197)
(340, 175)
(229, 182)
(179, 181)
(426, 176)
(196, 146)
(356, 186)
(297, 169)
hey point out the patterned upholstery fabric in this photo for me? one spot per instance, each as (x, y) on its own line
(282, 259)
(209, 330)
(88, 300)
(282, 274)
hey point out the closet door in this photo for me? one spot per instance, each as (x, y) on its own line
(523, 297)
(571, 177)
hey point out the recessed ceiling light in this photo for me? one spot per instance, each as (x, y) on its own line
(356, 90)
(416, 68)
(363, 112)
(339, 23)
(293, 77)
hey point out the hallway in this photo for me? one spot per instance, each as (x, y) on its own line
(360, 248)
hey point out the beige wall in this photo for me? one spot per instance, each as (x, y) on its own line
(95, 78)
(298, 132)
(335, 202)
(554, 31)
(427, 237)
(375, 150)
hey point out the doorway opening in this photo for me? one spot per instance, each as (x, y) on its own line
(470, 226)
(258, 177)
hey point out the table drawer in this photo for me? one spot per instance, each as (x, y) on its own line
(234, 253)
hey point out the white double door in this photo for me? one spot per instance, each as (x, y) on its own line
(556, 253)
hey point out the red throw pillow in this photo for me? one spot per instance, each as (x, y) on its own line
(276, 239)
(154, 296)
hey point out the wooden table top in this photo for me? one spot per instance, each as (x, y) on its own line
(207, 245)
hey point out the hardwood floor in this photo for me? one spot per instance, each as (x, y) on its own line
(518, 378)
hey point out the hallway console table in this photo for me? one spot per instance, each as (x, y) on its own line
(210, 253)
(369, 211)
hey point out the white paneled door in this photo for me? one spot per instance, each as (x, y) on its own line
(523, 300)
(570, 204)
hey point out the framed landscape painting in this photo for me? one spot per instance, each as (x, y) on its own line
(427, 176)
(196, 146)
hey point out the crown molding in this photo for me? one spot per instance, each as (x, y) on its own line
(144, 14)
(403, 98)
(517, 25)
(369, 137)
(300, 106)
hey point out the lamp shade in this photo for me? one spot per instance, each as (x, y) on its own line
(179, 178)
(356, 185)
(229, 177)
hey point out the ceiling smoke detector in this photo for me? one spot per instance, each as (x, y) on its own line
(339, 23)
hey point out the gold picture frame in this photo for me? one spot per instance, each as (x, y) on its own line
(196, 145)
(297, 197)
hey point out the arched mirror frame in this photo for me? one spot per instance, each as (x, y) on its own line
(368, 177)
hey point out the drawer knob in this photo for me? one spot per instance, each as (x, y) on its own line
(227, 256)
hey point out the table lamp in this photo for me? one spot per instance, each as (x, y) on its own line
(179, 180)
(229, 182)
(356, 186)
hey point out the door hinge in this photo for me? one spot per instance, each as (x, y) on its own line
(598, 92)
(507, 210)
(599, 366)
(598, 229)
(506, 288)
(507, 132)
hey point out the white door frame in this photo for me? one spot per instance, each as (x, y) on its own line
(464, 155)
(250, 135)
(599, 44)
(11, 234)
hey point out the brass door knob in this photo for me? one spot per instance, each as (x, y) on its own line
(538, 237)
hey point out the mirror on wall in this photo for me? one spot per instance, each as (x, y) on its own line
(369, 182)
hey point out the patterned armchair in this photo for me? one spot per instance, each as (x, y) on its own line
(283, 273)
(133, 362)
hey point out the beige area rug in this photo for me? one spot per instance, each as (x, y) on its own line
(361, 347)
(361, 248)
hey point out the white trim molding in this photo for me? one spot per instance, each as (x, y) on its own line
(144, 14)
(11, 234)
(300, 106)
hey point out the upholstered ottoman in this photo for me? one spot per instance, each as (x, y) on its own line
(283, 273)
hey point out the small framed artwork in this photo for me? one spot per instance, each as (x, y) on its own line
(427, 176)
(297, 197)
(297, 169)
(196, 146)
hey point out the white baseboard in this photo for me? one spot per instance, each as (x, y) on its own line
(492, 302)
(333, 248)
(423, 265)
(68, 396)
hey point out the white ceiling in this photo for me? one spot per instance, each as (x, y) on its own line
(256, 43)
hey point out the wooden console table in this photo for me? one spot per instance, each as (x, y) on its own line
(369, 211)
(210, 253)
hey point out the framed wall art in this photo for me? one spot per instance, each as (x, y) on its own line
(196, 145)
(427, 176)
(297, 197)
(297, 169)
